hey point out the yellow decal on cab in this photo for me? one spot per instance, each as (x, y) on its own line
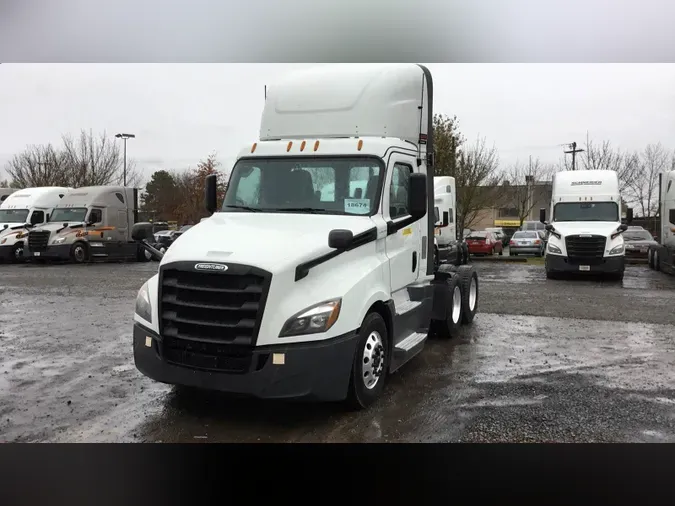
(407, 231)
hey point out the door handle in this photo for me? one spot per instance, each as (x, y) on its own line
(414, 261)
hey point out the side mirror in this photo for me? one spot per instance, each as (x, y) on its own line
(5, 226)
(211, 193)
(142, 231)
(446, 218)
(542, 215)
(340, 239)
(549, 227)
(629, 215)
(623, 227)
(417, 196)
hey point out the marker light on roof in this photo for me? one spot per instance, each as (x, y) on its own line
(359, 145)
(302, 146)
(255, 145)
(316, 145)
(290, 145)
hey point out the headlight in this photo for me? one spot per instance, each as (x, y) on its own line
(616, 250)
(59, 240)
(554, 249)
(143, 306)
(313, 320)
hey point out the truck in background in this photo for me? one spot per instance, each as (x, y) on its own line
(288, 293)
(5, 192)
(91, 223)
(585, 231)
(448, 247)
(21, 211)
(661, 256)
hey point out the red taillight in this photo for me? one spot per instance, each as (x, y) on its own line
(537, 241)
(512, 243)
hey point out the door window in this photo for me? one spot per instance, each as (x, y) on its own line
(398, 190)
(37, 217)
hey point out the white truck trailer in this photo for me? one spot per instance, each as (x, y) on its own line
(585, 231)
(449, 248)
(661, 257)
(290, 292)
(21, 211)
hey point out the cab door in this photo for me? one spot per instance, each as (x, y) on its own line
(403, 246)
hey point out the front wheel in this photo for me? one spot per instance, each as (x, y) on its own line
(371, 361)
(79, 253)
(656, 260)
(17, 253)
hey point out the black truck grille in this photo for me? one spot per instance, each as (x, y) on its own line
(38, 240)
(210, 320)
(585, 248)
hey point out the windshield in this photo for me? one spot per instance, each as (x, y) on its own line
(13, 215)
(637, 235)
(526, 235)
(586, 211)
(344, 185)
(69, 214)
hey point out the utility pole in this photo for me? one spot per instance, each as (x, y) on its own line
(125, 137)
(574, 152)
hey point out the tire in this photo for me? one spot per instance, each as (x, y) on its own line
(371, 352)
(468, 279)
(17, 253)
(656, 260)
(79, 253)
(501, 251)
(650, 259)
(449, 327)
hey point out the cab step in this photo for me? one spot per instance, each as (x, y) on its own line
(407, 349)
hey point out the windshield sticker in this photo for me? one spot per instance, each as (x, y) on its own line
(357, 206)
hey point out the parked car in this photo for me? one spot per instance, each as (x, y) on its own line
(484, 243)
(165, 238)
(532, 225)
(500, 234)
(637, 241)
(526, 243)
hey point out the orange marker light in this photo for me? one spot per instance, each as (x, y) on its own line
(316, 145)
(302, 146)
(290, 145)
(255, 145)
(359, 145)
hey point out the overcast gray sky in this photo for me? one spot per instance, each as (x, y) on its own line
(182, 112)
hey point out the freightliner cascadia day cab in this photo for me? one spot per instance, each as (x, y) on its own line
(21, 211)
(585, 231)
(662, 256)
(91, 223)
(449, 248)
(299, 285)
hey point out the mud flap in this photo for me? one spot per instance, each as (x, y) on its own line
(441, 295)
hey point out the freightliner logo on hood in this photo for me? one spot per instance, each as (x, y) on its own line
(211, 267)
(586, 183)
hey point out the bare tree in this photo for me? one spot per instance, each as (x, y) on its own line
(524, 181)
(604, 157)
(477, 179)
(38, 166)
(644, 188)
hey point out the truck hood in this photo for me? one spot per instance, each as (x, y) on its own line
(271, 241)
(605, 228)
(54, 226)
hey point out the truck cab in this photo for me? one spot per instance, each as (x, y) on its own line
(314, 278)
(21, 211)
(91, 223)
(585, 230)
(449, 248)
(661, 256)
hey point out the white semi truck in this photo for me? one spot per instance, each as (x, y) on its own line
(21, 211)
(5, 192)
(290, 292)
(449, 248)
(91, 223)
(661, 257)
(585, 230)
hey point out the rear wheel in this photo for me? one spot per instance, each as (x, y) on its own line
(369, 370)
(468, 279)
(656, 260)
(453, 314)
(650, 259)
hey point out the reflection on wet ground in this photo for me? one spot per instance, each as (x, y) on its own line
(577, 360)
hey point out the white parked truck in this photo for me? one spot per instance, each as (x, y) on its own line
(290, 292)
(449, 248)
(21, 211)
(585, 230)
(5, 192)
(661, 257)
(91, 223)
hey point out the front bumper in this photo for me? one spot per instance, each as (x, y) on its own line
(6, 253)
(560, 263)
(308, 371)
(531, 250)
(53, 252)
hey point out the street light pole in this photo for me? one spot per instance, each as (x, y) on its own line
(125, 137)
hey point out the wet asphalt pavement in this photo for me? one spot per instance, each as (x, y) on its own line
(575, 360)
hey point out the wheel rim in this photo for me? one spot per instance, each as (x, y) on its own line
(79, 253)
(373, 360)
(18, 253)
(473, 293)
(456, 304)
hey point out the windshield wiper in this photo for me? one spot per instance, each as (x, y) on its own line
(245, 208)
(310, 210)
